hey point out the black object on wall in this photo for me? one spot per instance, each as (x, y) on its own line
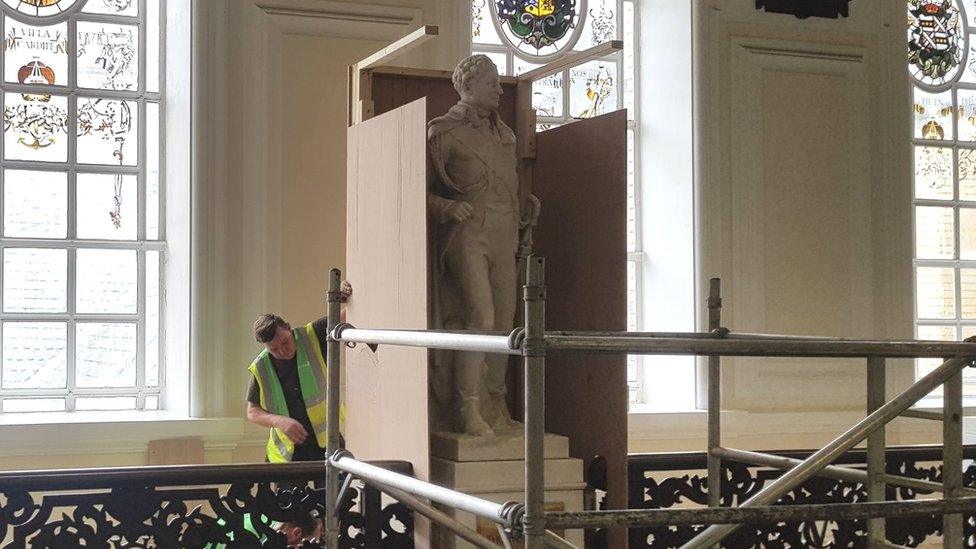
(806, 8)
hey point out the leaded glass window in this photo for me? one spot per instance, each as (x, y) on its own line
(942, 64)
(80, 200)
(591, 89)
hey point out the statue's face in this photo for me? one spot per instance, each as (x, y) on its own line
(484, 89)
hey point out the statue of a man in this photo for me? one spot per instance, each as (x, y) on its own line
(481, 226)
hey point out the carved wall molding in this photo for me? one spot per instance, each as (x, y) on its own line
(341, 19)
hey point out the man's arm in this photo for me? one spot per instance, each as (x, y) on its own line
(264, 418)
(258, 415)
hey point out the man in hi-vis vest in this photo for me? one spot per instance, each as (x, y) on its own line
(288, 388)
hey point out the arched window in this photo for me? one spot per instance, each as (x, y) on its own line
(942, 65)
(83, 238)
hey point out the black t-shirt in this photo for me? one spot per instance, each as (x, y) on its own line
(287, 372)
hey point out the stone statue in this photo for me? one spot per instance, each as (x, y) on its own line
(480, 227)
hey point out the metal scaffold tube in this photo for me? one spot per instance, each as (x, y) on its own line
(507, 514)
(829, 453)
(534, 364)
(332, 411)
(714, 398)
(648, 518)
(439, 517)
(733, 345)
(483, 343)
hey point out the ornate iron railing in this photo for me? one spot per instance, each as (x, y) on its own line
(193, 506)
(651, 487)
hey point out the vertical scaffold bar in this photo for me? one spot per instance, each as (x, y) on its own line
(534, 362)
(714, 398)
(952, 525)
(332, 417)
(876, 450)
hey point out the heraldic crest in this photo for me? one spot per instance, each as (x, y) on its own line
(539, 23)
(935, 40)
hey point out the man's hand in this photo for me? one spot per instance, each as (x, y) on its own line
(460, 210)
(292, 429)
(345, 291)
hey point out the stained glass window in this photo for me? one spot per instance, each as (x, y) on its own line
(81, 242)
(942, 64)
(591, 89)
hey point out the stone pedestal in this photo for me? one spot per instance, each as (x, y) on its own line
(494, 469)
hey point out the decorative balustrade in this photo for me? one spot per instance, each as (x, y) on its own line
(194, 506)
(652, 487)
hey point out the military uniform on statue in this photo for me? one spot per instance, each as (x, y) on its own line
(479, 229)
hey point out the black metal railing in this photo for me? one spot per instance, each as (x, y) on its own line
(189, 506)
(666, 480)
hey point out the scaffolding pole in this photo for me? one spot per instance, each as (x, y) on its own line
(332, 411)
(876, 449)
(714, 398)
(534, 364)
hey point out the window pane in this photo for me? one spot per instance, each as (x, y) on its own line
(967, 233)
(35, 204)
(35, 280)
(631, 195)
(600, 25)
(482, 29)
(106, 281)
(35, 127)
(933, 115)
(547, 94)
(500, 60)
(967, 115)
(152, 45)
(935, 289)
(593, 89)
(632, 302)
(152, 318)
(152, 402)
(42, 8)
(934, 233)
(35, 355)
(968, 280)
(152, 171)
(936, 333)
(105, 403)
(629, 55)
(933, 171)
(105, 355)
(107, 132)
(108, 56)
(35, 55)
(107, 206)
(113, 7)
(12, 405)
(967, 174)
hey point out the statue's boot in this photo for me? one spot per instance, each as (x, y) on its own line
(471, 421)
(500, 418)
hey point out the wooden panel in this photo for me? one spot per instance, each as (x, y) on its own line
(580, 176)
(392, 90)
(176, 451)
(386, 391)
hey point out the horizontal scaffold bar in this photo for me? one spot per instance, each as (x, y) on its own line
(457, 341)
(645, 518)
(507, 514)
(754, 345)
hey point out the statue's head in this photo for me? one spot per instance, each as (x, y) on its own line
(476, 81)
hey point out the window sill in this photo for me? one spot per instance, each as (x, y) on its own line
(113, 433)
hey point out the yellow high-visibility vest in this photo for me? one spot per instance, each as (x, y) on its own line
(312, 376)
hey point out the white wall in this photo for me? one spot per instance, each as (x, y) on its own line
(803, 200)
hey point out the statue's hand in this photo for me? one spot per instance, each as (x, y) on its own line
(459, 211)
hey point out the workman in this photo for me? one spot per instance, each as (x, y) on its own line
(288, 389)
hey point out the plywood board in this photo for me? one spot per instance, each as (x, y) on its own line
(386, 258)
(580, 176)
(390, 90)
